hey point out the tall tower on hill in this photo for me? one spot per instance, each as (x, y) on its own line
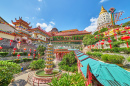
(104, 19)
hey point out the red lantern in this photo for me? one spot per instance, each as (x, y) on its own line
(24, 49)
(102, 43)
(123, 31)
(95, 37)
(1, 38)
(34, 49)
(126, 38)
(34, 55)
(19, 43)
(129, 32)
(30, 50)
(110, 44)
(115, 36)
(18, 56)
(11, 42)
(28, 56)
(117, 28)
(127, 28)
(103, 40)
(1, 47)
(108, 38)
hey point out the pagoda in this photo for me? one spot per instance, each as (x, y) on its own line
(49, 59)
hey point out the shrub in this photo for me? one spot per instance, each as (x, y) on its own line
(3, 54)
(128, 59)
(105, 57)
(89, 53)
(7, 69)
(17, 60)
(116, 59)
(21, 53)
(9, 60)
(38, 64)
(26, 59)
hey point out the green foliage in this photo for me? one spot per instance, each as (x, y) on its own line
(17, 60)
(103, 30)
(7, 69)
(3, 54)
(96, 33)
(41, 49)
(128, 59)
(21, 53)
(68, 80)
(95, 54)
(113, 38)
(126, 24)
(37, 64)
(69, 62)
(116, 59)
(26, 59)
(105, 57)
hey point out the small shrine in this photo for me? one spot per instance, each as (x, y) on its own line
(49, 59)
(60, 53)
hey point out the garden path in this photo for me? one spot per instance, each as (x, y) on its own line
(21, 79)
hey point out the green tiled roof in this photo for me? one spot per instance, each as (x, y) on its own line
(106, 74)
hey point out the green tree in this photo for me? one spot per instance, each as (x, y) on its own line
(126, 24)
(41, 49)
(68, 80)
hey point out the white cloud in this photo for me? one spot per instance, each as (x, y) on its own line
(103, 1)
(38, 9)
(27, 17)
(45, 26)
(11, 24)
(52, 22)
(40, 0)
(93, 25)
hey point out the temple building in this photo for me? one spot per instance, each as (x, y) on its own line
(104, 19)
(22, 35)
(72, 35)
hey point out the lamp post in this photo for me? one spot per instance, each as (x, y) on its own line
(102, 43)
(18, 56)
(126, 38)
(11, 42)
(110, 44)
(14, 50)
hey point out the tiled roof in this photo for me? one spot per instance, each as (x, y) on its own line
(106, 74)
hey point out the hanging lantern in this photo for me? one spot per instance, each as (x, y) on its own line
(11, 42)
(34, 56)
(19, 43)
(108, 38)
(115, 36)
(117, 29)
(30, 50)
(28, 56)
(102, 43)
(24, 49)
(93, 45)
(95, 37)
(127, 28)
(34, 49)
(123, 31)
(1, 47)
(18, 56)
(103, 40)
(14, 50)
(110, 44)
(126, 38)
(1, 38)
(129, 32)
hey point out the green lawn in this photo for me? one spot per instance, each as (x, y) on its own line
(42, 73)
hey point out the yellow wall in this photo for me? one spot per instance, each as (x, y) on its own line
(6, 36)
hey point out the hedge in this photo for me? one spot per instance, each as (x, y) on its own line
(3, 54)
(17, 60)
(114, 50)
(21, 53)
(26, 59)
(106, 57)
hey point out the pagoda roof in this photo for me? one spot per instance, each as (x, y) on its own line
(40, 29)
(103, 10)
(72, 33)
(21, 22)
(70, 30)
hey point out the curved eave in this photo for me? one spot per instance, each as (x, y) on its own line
(69, 41)
(7, 33)
(70, 34)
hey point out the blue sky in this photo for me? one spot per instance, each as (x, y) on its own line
(62, 14)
